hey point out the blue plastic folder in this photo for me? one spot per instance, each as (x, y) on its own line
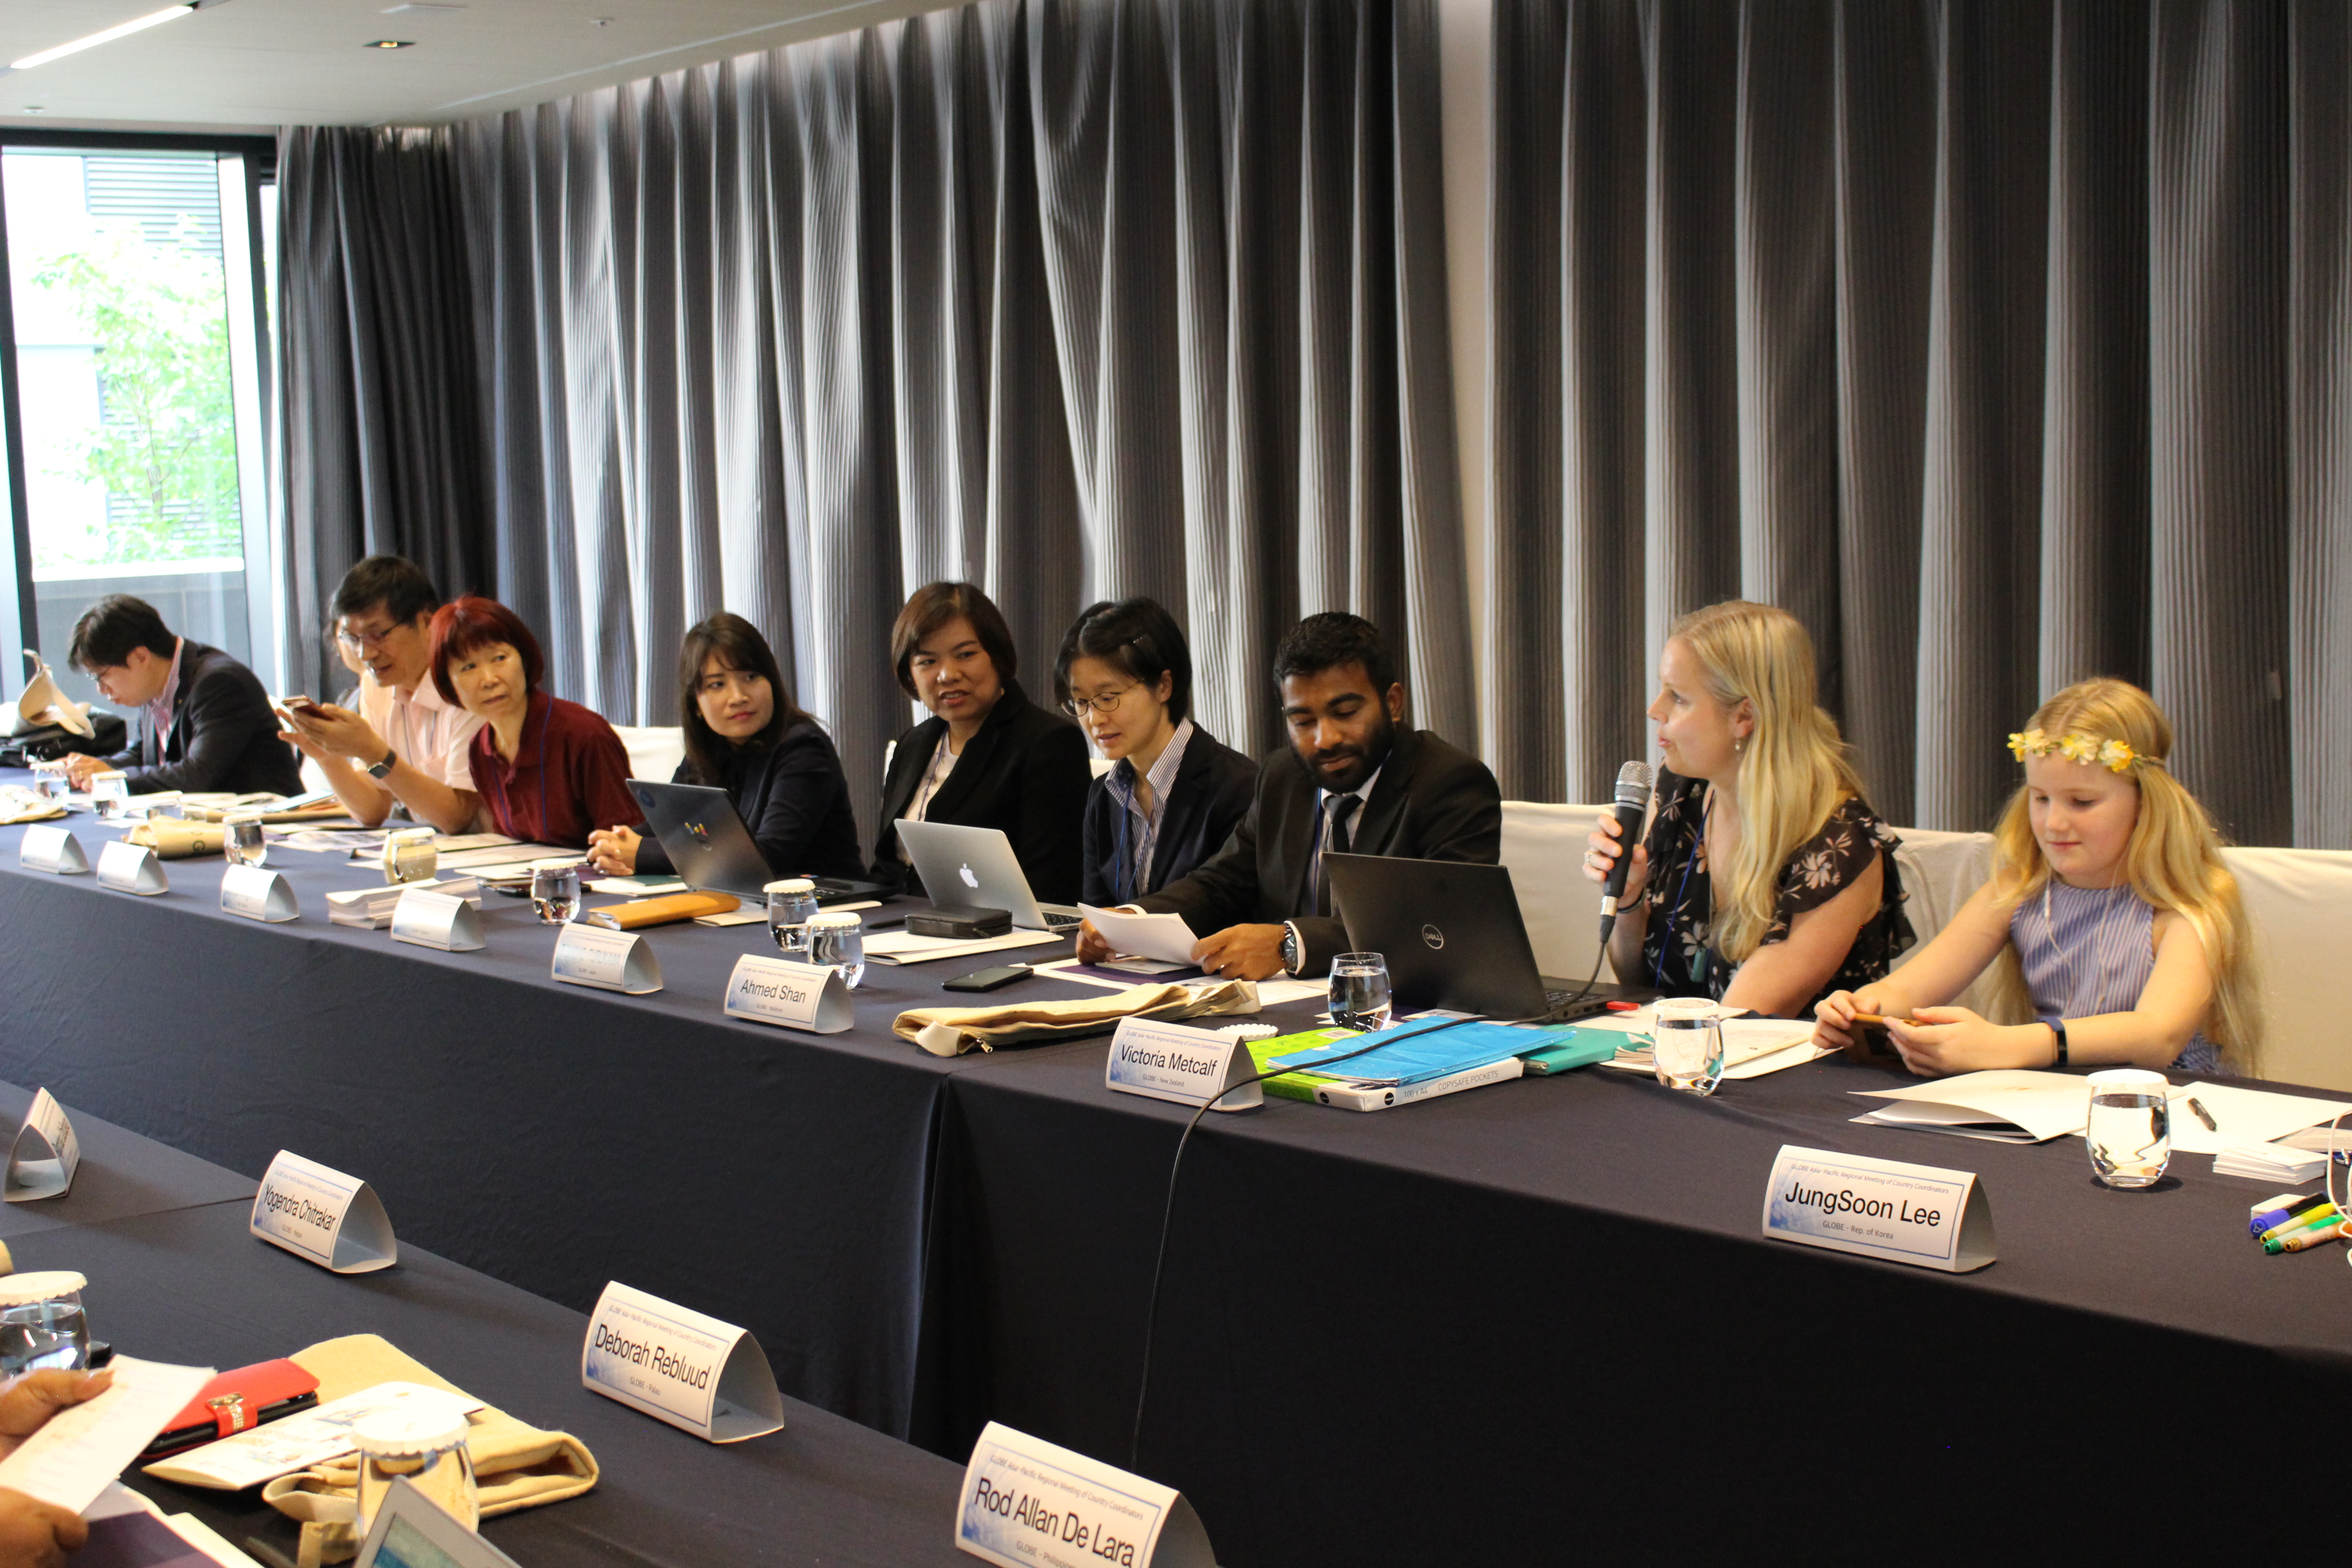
(1412, 1053)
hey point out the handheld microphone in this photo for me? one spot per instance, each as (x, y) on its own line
(1633, 782)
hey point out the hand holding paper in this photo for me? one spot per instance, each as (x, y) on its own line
(1164, 937)
(67, 1457)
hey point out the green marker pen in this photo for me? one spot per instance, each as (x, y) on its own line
(2296, 1241)
(2325, 1213)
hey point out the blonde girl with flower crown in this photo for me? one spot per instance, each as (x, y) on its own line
(2117, 930)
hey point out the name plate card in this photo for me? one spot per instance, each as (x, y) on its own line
(608, 959)
(315, 1211)
(257, 895)
(129, 868)
(798, 995)
(700, 1374)
(43, 1160)
(1919, 1215)
(1028, 1502)
(439, 920)
(1177, 1062)
(52, 849)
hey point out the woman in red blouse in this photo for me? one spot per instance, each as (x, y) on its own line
(548, 771)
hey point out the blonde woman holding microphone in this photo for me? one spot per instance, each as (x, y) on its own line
(1766, 880)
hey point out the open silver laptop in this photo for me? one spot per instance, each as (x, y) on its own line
(976, 866)
(411, 1530)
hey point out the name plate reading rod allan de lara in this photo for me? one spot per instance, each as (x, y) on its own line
(1028, 1503)
(1919, 1215)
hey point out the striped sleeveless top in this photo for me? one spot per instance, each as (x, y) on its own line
(2088, 951)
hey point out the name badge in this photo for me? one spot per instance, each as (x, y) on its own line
(798, 995)
(436, 920)
(1880, 1208)
(129, 868)
(43, 1160)
(677, 1365)
(1175, 1061)
(257, 895)
(315, 1211)
(608, 959)
(52, 849)
(1028, 1502)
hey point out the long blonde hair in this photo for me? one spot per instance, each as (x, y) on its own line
(2173, 858)
(1794, 769)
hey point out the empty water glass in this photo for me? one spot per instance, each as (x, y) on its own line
(2129, 1133)
(556, 891)
(1687, 1045)
(792, 904)
(1359, 991)
(838, 939)
(242, 839)
(109, 793)
(42, 1323)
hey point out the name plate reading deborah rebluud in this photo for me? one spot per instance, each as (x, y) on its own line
(1919, 1215)
(679, 1365)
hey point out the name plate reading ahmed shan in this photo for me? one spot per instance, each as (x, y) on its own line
(1919, 1215)
(798, 995)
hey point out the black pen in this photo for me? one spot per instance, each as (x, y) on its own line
(2204, 1115)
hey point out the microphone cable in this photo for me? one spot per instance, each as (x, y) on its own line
(1168, 1214)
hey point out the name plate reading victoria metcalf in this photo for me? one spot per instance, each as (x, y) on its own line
(608, 959)
(43, 1160)
(257, 895)
(1880, 1208)
(1028, 1502)
(316, 1212)
(439, 920)
(798, 995)
(677, 1365)
(52, 849)
(1175, 1061)
(129, 868)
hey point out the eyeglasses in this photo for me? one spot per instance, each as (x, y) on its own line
(1101, 702)
(369, 641)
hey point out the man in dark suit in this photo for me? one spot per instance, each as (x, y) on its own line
(208, 727)
(1352, 781)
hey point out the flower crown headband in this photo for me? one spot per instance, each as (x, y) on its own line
(2076, 747)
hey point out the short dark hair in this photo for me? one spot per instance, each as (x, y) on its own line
(739, 646)
(1138, 638)
(461, 626)
(396, 583)
(932, 606)
(1329, 640)
(110, 629)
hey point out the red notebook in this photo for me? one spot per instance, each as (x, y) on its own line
(237, 1401)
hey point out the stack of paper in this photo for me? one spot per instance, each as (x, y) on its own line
(2007, 1106)
(2270, 1162)
(905, 947)
(370, 909)
(1407, 1053)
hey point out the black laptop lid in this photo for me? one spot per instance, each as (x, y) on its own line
(1450, 932)
(705, 837)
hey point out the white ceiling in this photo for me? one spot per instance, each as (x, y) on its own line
(257, 64)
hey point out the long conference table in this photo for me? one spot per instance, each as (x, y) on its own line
(1477, 1328)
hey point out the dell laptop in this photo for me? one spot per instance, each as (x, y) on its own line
(976, 866)
(706, 839)
(1453, 937)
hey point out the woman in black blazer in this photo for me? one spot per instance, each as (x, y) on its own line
(1173, 794)
(989, 757)
(744, 734)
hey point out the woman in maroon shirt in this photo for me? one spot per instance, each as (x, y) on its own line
(548, 771)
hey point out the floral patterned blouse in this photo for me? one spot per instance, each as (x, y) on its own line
(1676, 955)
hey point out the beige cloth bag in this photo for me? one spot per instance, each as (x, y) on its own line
(173, 839)
(952, 1031)
(515, 1465)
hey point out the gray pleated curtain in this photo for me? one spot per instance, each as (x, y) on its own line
(2002, 343)
(1075, 299)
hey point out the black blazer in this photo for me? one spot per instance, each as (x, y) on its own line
(1206, 800)
(794, 800)
(1433, 801)
(1024, 773)
(222, 735)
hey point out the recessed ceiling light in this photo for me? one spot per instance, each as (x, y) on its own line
(407, 5)
(169, 13)
(391, 44)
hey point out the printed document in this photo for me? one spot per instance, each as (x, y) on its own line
(2242, 1116)
(1164, 937)
(2010, 1105)
(281, 1448)
(78, 1451)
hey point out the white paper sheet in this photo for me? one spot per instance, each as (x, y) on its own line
(1752, 1047)
(2241, 1116)
(2010, 1105)
(904, 947)
(295, 1443)
(1146, 936)
(79, 1450)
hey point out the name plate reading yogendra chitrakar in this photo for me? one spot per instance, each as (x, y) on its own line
(315, 1211)
(798, 995)
(1175, 1061)
(129, 867)
(52, 849)
(607, 960)
(43, 1160)
(1880, 1208)
(680, 1367)
(439, 920)
(257, 895)
(1028, 1503)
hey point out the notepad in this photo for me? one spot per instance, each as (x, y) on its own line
(1408, 1053)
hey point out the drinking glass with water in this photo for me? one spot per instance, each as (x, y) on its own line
(1359, 991)
(42, 1323)
(242, 839)
(109, 793)
(1687, 1045)
(556, 891)
(792, 904)
(2129, 1135)
(838, 939)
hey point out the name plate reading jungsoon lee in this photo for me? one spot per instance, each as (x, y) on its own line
(257, 895)
(1175, 1061)
(798, 995)
(43, 1160)
(52, 849)
(1919, 1215)
(315, 1211)
(607, 960)
(1028, 1503)
(677, 1365)
(129, 867)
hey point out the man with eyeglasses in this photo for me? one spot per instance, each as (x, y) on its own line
(208, 726)
(405, 745)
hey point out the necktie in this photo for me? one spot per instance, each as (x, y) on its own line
(1341, 808)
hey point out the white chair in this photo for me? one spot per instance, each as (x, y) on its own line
(1939, 870)
(2299, 902)
(1543, 846)
(655, 751)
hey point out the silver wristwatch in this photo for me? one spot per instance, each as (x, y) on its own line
(378, 770)
(1294, 952)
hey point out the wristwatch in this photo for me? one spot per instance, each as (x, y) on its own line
(1294, 952)
(377, 770)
